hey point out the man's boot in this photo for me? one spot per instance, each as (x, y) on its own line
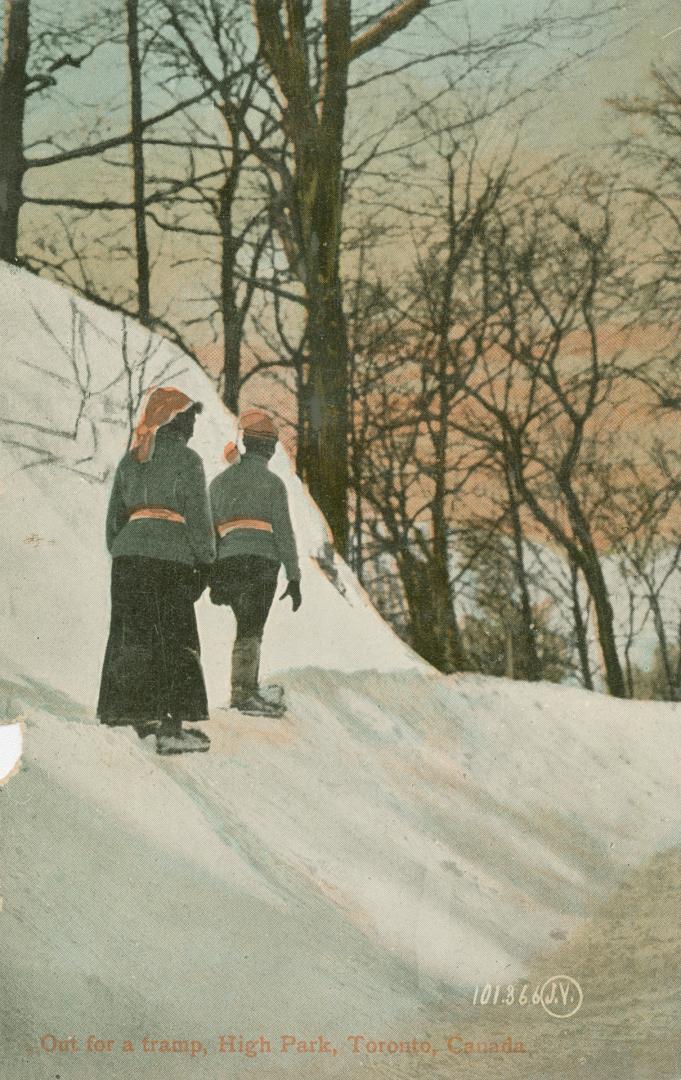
(245, 667)
(270, 692)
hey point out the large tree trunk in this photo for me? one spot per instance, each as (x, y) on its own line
(16, 47)
(137, 143)
(423, 635)
(316, 128)
(317, 218)
(231, 336)
(326, 452)
(316, 206)
(433, 629)
(318, 213)
(231, 320)
(302, 393)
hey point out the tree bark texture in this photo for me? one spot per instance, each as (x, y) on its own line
(137, 146)
(16, 47)
(315, 126)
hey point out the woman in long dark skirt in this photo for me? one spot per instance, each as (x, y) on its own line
(160, 534)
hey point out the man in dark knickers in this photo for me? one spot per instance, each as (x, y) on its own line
(254, 538)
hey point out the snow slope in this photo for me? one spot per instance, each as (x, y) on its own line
(70, 371)
(398, 838)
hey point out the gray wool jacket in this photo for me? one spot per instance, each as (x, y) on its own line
(249, 490)
(173, 478)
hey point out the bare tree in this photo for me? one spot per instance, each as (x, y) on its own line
(210, 40)
(36, 53)
(315, 125)
(546, 371)
(424, 494)
(643, 489)
(652, 179)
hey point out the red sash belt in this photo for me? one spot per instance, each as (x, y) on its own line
(159, 513)
(224, 527)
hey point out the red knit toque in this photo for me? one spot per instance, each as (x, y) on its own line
(257, 422)
(162, 405)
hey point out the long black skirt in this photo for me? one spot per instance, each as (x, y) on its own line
(152, 666)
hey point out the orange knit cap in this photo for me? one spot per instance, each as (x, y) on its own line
(258, 422)
(163, 404)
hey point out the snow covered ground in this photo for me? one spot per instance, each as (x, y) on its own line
(398, 838)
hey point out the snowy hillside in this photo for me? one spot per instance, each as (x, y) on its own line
(396, 839)
(73, 377)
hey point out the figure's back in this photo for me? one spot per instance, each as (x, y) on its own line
(173, 480)
(250, 513)
(245, 489)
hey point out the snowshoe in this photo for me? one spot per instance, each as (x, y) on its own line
(257, 705)
(183, 742)
(198, 734)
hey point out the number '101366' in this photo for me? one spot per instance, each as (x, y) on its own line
(509, 994)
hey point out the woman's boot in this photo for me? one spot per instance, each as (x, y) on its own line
(172, 739)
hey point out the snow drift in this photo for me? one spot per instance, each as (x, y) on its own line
(398, 838)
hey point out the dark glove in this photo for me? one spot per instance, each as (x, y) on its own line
(200, 580)
(293, 591)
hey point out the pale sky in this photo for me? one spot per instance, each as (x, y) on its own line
(643, 33)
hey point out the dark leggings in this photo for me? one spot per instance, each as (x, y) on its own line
(247, 584)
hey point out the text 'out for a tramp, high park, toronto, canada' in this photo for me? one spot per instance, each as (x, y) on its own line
(254, 1046)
